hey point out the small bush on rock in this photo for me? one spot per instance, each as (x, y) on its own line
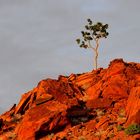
(120, 128)
(132, 129)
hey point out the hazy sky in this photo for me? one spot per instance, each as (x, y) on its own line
(37, 40)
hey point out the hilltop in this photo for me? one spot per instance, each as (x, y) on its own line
(99, 105)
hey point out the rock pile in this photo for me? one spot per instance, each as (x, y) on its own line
(99, 105)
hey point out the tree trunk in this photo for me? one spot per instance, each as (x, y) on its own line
(96, 59)
(96, 55)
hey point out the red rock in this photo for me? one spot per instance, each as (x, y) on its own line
(133, 106)
(104, 123)
(42, 119)
(3, 138)
(80, 106)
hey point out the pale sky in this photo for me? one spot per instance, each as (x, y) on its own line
(37, 40)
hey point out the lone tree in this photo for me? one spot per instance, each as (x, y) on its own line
(93, 33)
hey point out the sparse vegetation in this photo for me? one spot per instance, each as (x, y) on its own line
(50, 136)
(94, 32)
(122, 113)
(99, 133)
(81, 138)
(12, 136)
(111, 135)
(120, 127)
(132, 129)
(100, 112)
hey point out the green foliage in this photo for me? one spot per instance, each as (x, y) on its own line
(122, 113)
(94, 31)
(132, 129)
(78, 41)
(111, 135)
(119, 128)
(81, 138)
(50, 136)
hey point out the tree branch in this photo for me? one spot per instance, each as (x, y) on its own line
(90, 46)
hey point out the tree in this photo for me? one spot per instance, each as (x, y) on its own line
(94, 32)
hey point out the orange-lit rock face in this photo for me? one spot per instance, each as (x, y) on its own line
(94, 105)
(133, 106)
(42, 118)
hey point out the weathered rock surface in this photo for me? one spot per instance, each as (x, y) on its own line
(97, 105)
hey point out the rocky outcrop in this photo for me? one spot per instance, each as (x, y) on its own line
(99, 105)
(133, 106)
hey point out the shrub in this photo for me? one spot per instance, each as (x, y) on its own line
(132, 129)
(119, 127)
